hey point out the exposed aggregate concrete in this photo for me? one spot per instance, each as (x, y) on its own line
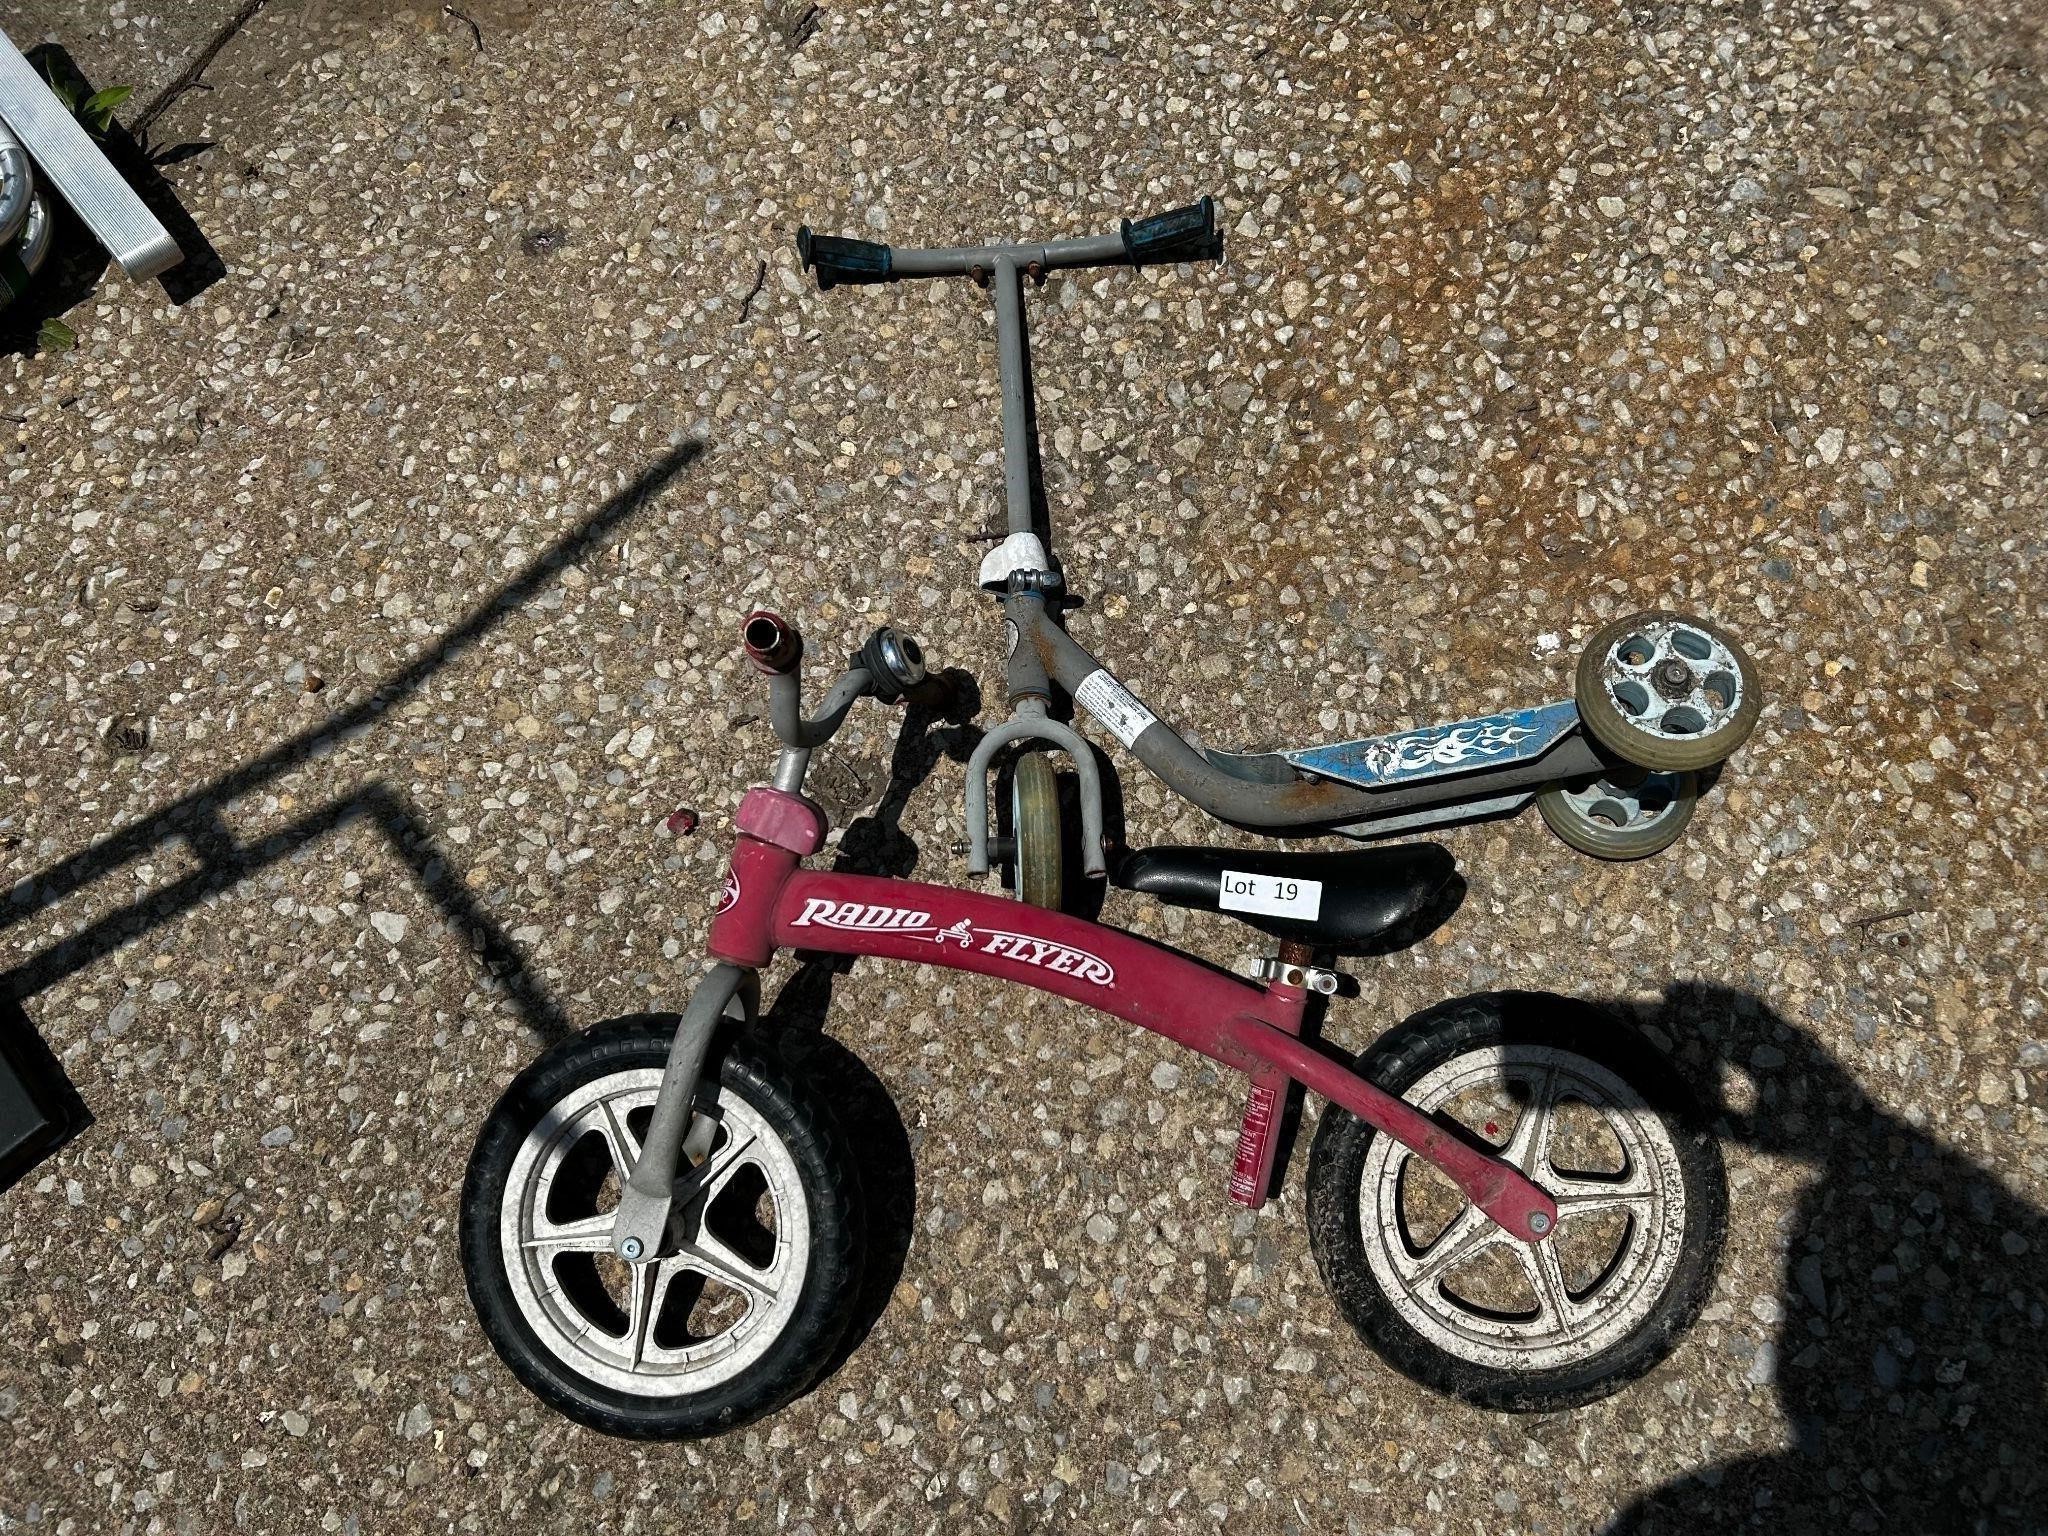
(1530, 317)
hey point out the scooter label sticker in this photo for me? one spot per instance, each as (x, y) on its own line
(1113, 704)
(1270, 894)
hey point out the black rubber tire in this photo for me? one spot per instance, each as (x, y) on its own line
(1613, 731)
(1418, 1046)
(750, 1066)
(1618, 844)
(1040, 865)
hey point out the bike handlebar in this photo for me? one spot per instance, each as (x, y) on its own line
(889, 667)
(1184, 234)
(772, 643)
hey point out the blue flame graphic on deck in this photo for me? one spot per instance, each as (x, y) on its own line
(1437, 751)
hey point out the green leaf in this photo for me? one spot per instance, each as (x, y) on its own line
(55, 336)
(98, 111)
(63, 87)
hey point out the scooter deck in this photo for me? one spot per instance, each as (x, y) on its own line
(1410, 757)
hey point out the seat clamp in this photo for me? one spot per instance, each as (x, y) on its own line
(1309, 978)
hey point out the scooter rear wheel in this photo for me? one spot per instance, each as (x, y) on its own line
(1667, 691)
(1620, 815)
(1593, 1114)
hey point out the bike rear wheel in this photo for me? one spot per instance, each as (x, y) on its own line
(1594, 1116)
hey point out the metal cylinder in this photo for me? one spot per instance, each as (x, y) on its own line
(17, 185)
(1010, 354)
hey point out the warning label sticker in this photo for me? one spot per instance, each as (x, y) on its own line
(1114, 705)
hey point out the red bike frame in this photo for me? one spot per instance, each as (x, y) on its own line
(771, 902)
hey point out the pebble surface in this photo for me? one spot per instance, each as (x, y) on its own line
(1530, 317)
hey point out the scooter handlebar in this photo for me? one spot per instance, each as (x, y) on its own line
(1184, 234)
(840, 260)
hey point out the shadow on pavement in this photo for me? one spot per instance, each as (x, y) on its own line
(1911, 1346)
(223, 860)
(873, 844)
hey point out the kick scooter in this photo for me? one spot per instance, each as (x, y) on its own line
(1659, 697)
(1508, 1198)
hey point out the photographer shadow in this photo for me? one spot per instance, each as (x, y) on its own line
(1910, 1352)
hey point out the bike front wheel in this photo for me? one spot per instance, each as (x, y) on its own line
(1593, 1115)
(752, 1287)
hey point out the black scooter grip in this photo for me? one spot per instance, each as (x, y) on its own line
(839, 260)
(1186, 234)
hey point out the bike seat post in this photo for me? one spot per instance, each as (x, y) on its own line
(1258, 1133)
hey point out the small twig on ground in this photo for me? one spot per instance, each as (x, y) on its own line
(1871, 920)
(467, 20)
(796, 20)
(189, 76)
(760, 282)
(226, 1228)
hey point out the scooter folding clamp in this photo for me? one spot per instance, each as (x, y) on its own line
(1020, 552)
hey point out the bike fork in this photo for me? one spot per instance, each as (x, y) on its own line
(726, 992)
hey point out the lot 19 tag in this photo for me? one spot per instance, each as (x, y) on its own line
(1272, 895)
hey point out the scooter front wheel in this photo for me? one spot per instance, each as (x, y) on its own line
(752, 1287)
(1667, 691)
(1036, 833)
(1593, 1115)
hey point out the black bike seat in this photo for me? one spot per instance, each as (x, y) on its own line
(1324, 898)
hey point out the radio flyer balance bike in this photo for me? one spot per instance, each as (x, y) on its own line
(1511, 1200)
